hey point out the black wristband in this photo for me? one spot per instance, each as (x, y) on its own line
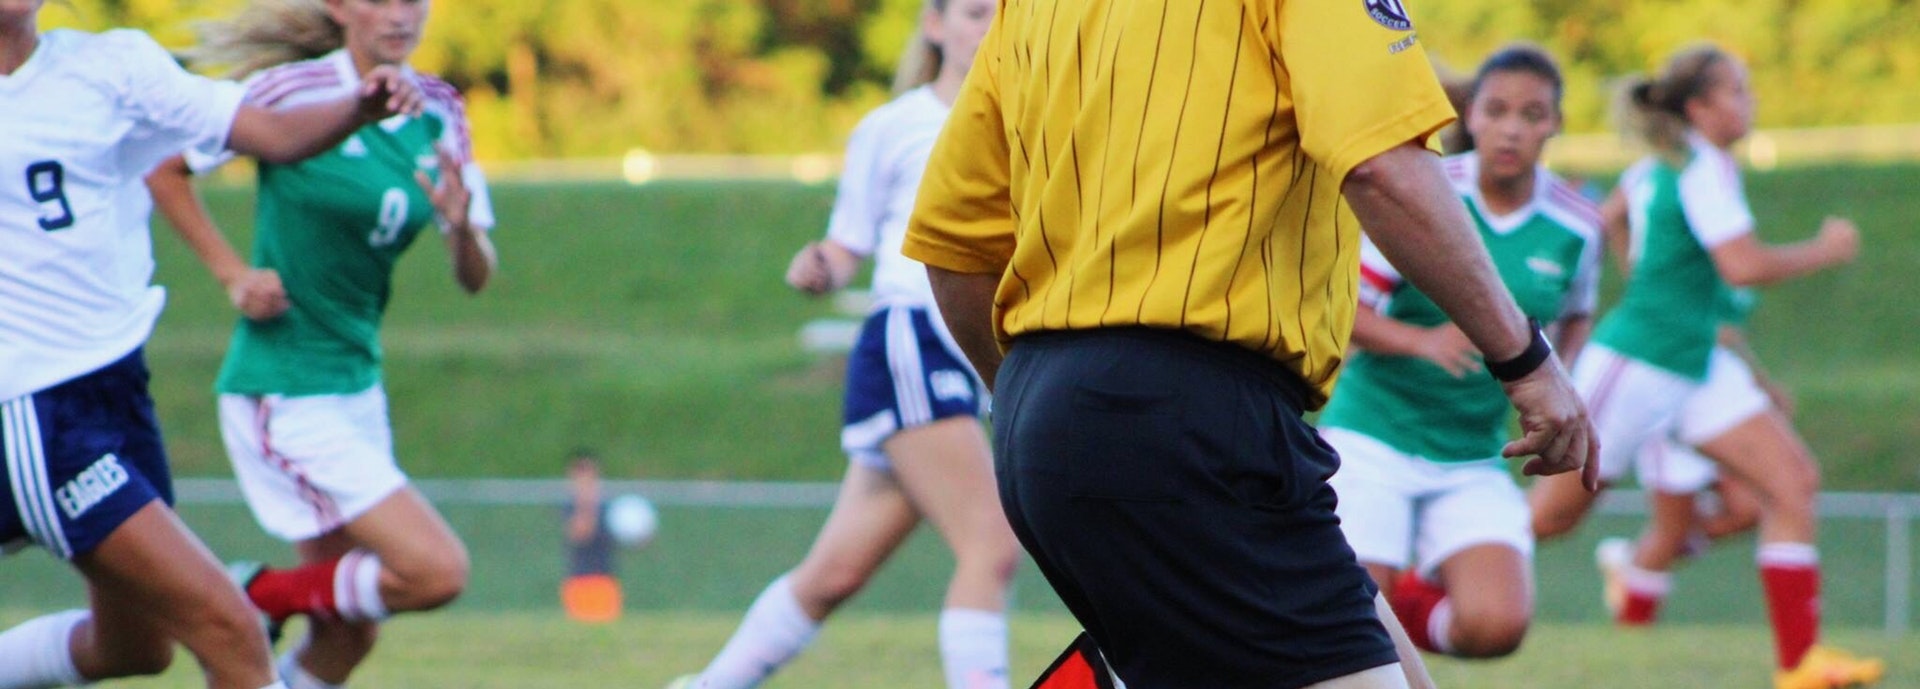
(1518, 367)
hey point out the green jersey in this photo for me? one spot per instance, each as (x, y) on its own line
(333, 226)
(1675, 299)
(1547, 253)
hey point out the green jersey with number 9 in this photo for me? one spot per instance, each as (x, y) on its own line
(333, 226)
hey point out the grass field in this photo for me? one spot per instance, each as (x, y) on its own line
(464, 650)
(651, 322)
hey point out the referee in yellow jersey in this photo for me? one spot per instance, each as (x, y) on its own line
(1152, 208)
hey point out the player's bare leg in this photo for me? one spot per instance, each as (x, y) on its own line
(405, 557)
(946, 468)
(947, 471)
(1558, 503)
(1490, 593)
(1768, 454)
(871, 517)
(152, 583)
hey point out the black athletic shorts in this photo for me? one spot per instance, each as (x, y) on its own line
(1171, 493)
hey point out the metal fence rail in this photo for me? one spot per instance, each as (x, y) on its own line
(1896, 509)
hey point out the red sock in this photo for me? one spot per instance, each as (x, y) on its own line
(1790, 575)
(1641, 609)
(283, 593)
(1413, 600)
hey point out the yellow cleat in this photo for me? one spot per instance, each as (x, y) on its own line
(682, 682)
(1830, 668)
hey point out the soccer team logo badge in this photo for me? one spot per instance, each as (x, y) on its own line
(1389, 13)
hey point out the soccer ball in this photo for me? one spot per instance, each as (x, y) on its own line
(631, 520)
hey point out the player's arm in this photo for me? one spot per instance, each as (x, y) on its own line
(289, 135)
(257, 293)
(1570, 335)
(1443, 345)
(468, 242)
(1746, 261)
(822, 267)
(1616, 230)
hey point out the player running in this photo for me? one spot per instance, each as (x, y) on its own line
(913, 404)
(302, 409)
(1425, 497)
(1692, 239)
(86, 116)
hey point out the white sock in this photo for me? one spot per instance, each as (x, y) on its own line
(39, 652)
(1646, 582)
(356, 587)
(1787, 555)
(773, 632)
(276, 685)
(1440, 626)
(973, 648)
(296, 677)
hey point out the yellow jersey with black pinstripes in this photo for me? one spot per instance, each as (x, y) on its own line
(1175, 164)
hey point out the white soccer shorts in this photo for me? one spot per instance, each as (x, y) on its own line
(1730, 396)
(1630, 403)
(309, 464)
(1397, 508)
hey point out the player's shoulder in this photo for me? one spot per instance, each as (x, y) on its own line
(112, 43)
(438, 91)
(274, 85)
(104, 54)
(1463, 170)
(1565, 203)
(915, 109)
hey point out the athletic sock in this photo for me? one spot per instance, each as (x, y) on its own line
(773, 632)
(973, 648)
(1413, 601)
(347, 588)
(1790, 575)
(1645, 591)
(276, 685)
(39, 652)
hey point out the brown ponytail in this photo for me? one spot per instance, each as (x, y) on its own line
(1653, 110)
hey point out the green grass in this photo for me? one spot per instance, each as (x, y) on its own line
(652, 322)
(528, 650)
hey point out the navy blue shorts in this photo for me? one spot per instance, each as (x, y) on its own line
(904, 372)
(1172, 495)
(80, 458)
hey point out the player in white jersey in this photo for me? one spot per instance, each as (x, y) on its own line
(1693, 239)
(86, 116)
(913, 404)
(302, 409)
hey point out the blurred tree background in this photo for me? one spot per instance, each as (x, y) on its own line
(576, 78)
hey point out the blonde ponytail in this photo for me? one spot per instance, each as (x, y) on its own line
(1653, 110)
(921, 61)
(265, 34)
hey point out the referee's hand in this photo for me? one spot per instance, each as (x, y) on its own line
(1556, 432)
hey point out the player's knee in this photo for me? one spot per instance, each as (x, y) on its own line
(444, 579)
(1553, 523)
(1490, 635)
